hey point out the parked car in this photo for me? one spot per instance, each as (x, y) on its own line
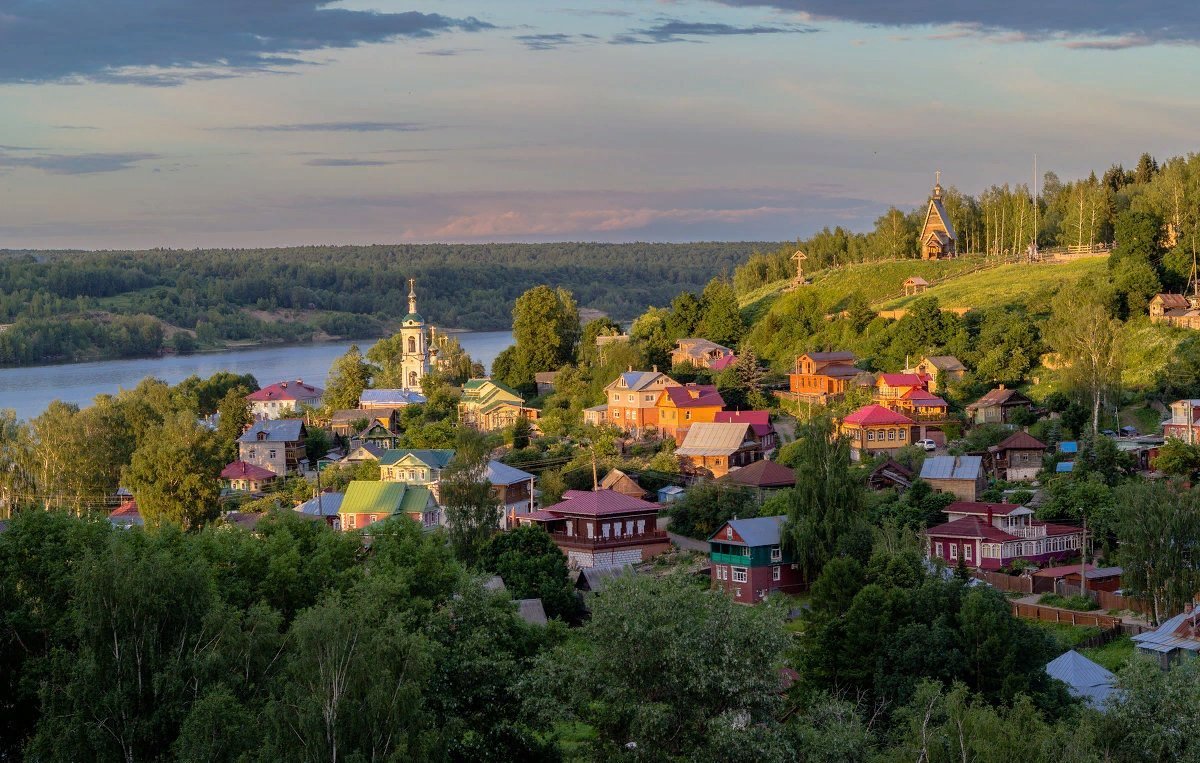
(928, 445)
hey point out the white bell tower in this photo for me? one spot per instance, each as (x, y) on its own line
(414, 359)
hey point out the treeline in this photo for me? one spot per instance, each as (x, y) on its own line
(1002, 220)
(348, 290)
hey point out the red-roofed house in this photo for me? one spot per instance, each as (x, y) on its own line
(247, 478)
(875, 429)
(680, 407)
(991, 536)
(761, 429)
(891, 387)
(282, 399)
(602, 528)
(126, 515)
(720, 364)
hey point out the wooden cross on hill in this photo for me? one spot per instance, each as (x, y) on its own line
(799, 257)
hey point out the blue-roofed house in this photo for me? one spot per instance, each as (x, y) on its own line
(1084, 679)
(386, 399)
(1069, 448)
(748, 560)
(961, 476)
(276, 445)
(513, 490)
(632, 399)
(1174, 640)
(323, 507)
(1064, 467)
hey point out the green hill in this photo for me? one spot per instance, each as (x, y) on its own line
(1024, 284)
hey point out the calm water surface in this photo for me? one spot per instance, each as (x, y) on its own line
(29, 390)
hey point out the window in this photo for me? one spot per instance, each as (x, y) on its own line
(374, 517)
(739, 574)
(352, 518)
(412, 344)
(719, 461)
(648, 398)
(270, 454)
(629, 527)
(901, 434)
(937, 550)
(967, 550)
(729, 533)
(616, 413)
(616, 529)
(722, 573)
(687, 415)
(953, 550)
(591, 530)
(776, 554)
(632, 398)
(570, 529)
(776, 573)
(870, 435)
(641, 526)
(891, 434)
(605, 529)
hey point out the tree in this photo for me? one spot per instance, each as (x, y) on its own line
(1154, 705)
(706, 506)
(472, 509)
(233, 419)
(1177, 458)
(665, 672)
(687, 311)
(750, 378)
(532, 568)
(1085, 337)
(174, 474)
(348, 377)
(546, 331)
(827, 502)
(316, 445)
(722, 322)
(1159, 534)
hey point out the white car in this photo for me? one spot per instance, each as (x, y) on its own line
(927, 445)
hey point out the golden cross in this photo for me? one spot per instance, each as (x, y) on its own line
(937, 177)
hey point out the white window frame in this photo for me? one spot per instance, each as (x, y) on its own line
(937, 549)
(776, 573)
(739, 574)
(776, 554)
(968, 550)
(953, 552)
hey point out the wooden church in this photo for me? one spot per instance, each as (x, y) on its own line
(937, 235)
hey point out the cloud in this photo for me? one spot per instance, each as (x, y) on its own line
(334, 127)
(550, 41)
(1072, 23)
(676, 30)
(157, 43)
(75, 164)
(446, 52)
(348, 163)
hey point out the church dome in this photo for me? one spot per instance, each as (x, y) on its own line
(412, 318)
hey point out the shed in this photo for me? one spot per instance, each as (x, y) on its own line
(622, 483)
(961, 475)
(670, 494)
(531, 611)
(915, 285)
(1084, 679)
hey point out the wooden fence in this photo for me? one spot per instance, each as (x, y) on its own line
(1005, 582)
(1068, 616)
(1109, 600)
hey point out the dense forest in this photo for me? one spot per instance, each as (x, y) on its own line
(91, 305)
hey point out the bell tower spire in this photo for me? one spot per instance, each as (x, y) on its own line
(412, 295)
(937, 184)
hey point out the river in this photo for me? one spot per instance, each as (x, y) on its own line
(30, 390)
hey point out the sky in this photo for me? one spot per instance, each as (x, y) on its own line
(250, 123)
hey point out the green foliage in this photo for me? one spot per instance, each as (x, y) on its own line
(1159, 533)
(532, 568)
(173, 474)
(917, 508)
(706, 506)
(1075, 602)
(1177, 458)
(348, 377)
(721, 320)
(472, 510)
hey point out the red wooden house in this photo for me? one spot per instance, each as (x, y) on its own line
(602, 528)
(748, 560)
(989, 536)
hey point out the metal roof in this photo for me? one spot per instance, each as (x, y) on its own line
(276, 430)
(393, 397)
(1165, 639)
(713, 439)
(1085, 679)
(326, 506)
(434, 459)
(952, 468)
(531, 611)
(502, 474)
(369, 497)
(759, 531)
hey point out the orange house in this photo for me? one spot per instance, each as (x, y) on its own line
(874, 429)
(680, 407)
(890, 388)
(821, 377)
(633, 399)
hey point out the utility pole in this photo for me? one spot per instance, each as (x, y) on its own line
(595, 479)
(1083, 560)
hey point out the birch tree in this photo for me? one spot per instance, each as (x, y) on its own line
(1086, 338)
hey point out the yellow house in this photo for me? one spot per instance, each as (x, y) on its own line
(489, 405)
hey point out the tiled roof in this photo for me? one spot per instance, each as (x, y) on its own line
(952, 468)
(759, 421)
(1020, 441)
(695, 396)
(876, 415)
(240, 470)
(970, 527)
(397, 398)
(502, 474)
(434, 459)
(276, 430)
(759, 531)
(288, 390)
(762, 473)
(713, 439)
(599, 503)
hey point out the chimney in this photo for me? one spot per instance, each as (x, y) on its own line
(989, 513)
(1002, 386)
(283, 385)
(1187, 608)
(631, 369)
(654, 368)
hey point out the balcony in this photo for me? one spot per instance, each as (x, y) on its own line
(622, 541)
(1029, 533)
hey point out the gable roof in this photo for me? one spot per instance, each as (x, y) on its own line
(1171, 300)
(286, 391)
(999, 396)
(946, 363)
(922, 396)
(693, 396)
(759, 531)
(599, 503)
(723, 362)
(1176, 633)
(502, 474)
(126, 514)
(622, 483)
(935, 207)
(240, 470)
(276, 430)
(836, 356)
(635, 381)
(759, 421)
(1020, 441)
(952, 468)
(762, 473)
(902, 380)
(531, 611)
(698, 346)
(368, 497)
(713, 439)
(876, 415)
(327, 505)
(433, 458)
(1084, 678)
(893, 471)
(982, 509)
(397, 398)
(915, 281)
(970, 527)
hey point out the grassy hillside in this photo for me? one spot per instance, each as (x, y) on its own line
(1007, 285)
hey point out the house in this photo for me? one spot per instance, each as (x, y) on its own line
(633, 398)
(820, 378)
(602, 528)
(415, 467)
(378, 434)
(1085, 679)
(622, 483)
(388, 399)
(937, 239)
(283, 399)
(1184, 423)
(350, 421)
(700, 353)
(713, 449)
(990, 536)
(1175, 310)
(749, 562)
(368, 502)
(875, 429)
(1175, 640)
(997, 406)
(890, 388)
(961, 476)
(922, 405)
(942, 370)
(670, 494)
(489, 405)
(545, 381)
(513, 490)
(890, 474)
(275, 444)
(596, 416)
(1018, 457)
(914, 285)
(247, 478)
(679, 408)
(761, 429)
(763, 477)
(1046, 580)
(720, 364)
(364, 451)
(126, 515)
(323, 506)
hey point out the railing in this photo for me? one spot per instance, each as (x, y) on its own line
(1028, 533)
(651, 536)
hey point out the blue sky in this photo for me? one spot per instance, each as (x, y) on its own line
(138, 123)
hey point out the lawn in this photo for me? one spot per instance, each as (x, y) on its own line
(1112, 655)
(1068, 636)
(1032, 285)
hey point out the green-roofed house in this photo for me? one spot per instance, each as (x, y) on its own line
(367, 502)
(488, 405)
(415, 467)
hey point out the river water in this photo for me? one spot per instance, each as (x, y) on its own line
(29, 390)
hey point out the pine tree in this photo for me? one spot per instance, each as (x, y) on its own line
(722, 322)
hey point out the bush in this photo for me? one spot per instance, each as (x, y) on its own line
(1077, 602)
